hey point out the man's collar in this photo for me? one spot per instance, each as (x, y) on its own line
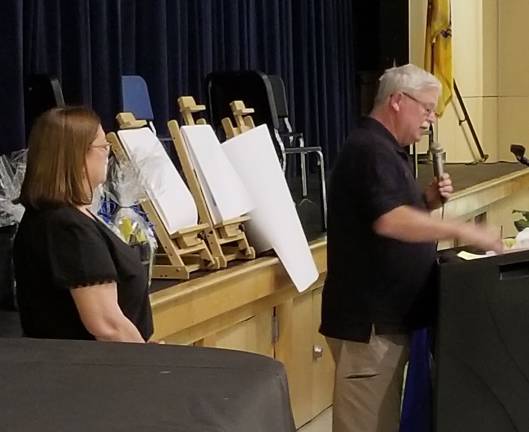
(374, 124)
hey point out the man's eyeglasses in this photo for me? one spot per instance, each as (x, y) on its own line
(428, 109)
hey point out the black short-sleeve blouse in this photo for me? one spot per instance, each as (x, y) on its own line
(60, 249)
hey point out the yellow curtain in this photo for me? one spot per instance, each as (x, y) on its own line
(438, 48)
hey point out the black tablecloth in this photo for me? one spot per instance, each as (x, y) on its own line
(49, 385)
(482, 354)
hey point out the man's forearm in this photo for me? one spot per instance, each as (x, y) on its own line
(408, 224)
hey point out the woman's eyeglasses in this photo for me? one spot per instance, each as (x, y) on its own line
(106, 146)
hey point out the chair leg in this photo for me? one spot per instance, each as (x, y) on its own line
(281, 145)
(323, 191)
(304, 189)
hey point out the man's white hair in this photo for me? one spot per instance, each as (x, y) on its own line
(407, 78)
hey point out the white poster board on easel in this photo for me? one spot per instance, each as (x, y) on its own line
(225, 194)
(274, 221)
(164, 185)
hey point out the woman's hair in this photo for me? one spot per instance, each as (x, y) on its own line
(407, 78)
(56, 173)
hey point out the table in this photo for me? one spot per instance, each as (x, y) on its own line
(51, 385)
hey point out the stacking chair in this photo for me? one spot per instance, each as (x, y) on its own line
(248, 86)
(294, 142)
(136, 100)
(41, 92)
(267, 97)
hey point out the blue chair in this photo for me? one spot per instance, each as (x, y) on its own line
(136, 100)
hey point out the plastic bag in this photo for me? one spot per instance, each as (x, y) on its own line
(12, 171)
(119, 207)
(522, 240)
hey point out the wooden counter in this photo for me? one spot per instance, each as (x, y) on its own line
(192, 310)
(253, 306)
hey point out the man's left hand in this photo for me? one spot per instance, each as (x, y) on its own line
(438, 192)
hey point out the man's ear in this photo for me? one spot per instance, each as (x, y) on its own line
(394, 101)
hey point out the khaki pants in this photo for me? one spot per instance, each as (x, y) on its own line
(368, 383)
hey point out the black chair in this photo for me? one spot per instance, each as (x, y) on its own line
(266, 95)
(293, 141)
(41, 92)
(248, 86)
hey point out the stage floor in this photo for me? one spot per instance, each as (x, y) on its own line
(463, 177)
(468, 175)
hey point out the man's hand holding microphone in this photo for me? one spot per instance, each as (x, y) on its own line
(440, 190)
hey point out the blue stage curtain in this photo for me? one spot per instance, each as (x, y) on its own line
(78, 41)
(324, 71)
(174, 44)
(11, 76)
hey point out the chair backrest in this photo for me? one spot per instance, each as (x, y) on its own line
(135, 97)
(252, 87)
(280, 95)
(41, 92)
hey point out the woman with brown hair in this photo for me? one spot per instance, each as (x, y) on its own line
(75, 278)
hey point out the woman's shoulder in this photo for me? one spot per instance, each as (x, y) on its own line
(59, 216)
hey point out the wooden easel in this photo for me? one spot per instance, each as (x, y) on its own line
(243, 121)
(178, 254)
(226, 240)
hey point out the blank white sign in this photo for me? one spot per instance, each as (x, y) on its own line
(224, 191)
(164, 186)
(274, 221)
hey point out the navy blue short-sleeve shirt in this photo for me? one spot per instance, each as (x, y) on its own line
(373, 280)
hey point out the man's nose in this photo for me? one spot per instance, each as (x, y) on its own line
(432, 116)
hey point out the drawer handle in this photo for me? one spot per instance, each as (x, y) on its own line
(317, 352)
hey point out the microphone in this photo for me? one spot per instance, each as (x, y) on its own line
(519, 152)
(437, 160)
(438, 163)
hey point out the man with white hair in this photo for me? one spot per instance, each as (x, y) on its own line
(381, 249)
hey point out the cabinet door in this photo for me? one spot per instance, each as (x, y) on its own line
(323, 363)
(305, 354)
(294, 349)
(253, 335)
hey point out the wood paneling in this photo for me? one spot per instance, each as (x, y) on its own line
(513, 54)
(514, 121)
(323, 367)
(253, 335)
